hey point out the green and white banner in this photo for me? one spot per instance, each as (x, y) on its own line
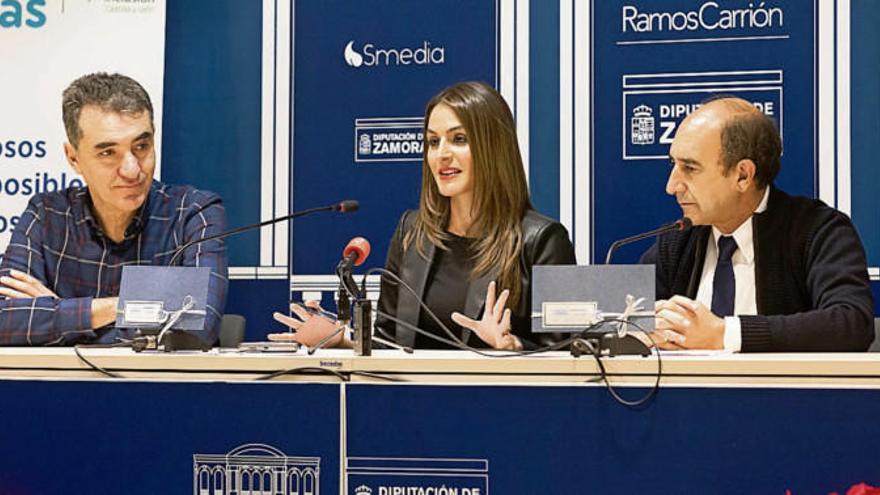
(44, 46)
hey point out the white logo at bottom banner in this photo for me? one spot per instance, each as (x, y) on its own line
(255, 468)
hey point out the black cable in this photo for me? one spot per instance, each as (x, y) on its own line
(378, 375)
(121, 343)
(596, 353)
(552, 347)
(93, 365)
(387, 336)
(451, 343)
(343, 376)
(305, 370)
(456, 341)
(603, 374)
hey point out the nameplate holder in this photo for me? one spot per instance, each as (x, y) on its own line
(569, 314)
(144, 312)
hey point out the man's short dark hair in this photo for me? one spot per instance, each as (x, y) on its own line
(748, 134)
(110, 92)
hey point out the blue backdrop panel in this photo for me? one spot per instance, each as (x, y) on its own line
(211, 117)
(865, 43)
(256, 300)
(652, 61)
(544, 105)
(108, 437)
(349, 73)
(578, 440)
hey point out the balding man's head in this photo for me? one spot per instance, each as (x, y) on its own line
(723, 157)
(746, 134)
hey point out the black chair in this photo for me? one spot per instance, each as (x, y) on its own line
(232, 330)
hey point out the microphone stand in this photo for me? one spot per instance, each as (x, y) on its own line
(344, 207)
(363, 326)
(683, 224)
(362, 342)
(352, 307)
(622, 343)
(183, 340)
(361, 311)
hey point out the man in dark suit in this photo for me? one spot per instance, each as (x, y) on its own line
(760, 270)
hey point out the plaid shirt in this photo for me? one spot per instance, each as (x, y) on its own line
(59, 242)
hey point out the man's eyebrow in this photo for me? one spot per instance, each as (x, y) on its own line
(686, 161)
(105, 144)
(144, 135)
(110, 144)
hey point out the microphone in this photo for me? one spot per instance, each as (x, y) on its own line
(347, 206)
(680, 225)
(354, 254)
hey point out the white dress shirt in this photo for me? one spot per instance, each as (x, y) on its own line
(745, 301)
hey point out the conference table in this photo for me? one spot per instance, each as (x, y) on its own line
(435, 422)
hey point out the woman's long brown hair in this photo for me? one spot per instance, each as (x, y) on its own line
(501, 196)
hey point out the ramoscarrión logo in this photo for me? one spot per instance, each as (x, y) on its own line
(370, 55)
(709, 16)
(22, 13)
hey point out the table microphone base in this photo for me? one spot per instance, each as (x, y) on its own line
(172, 341)
(610, 344)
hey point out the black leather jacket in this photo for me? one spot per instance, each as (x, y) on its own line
(546, 243)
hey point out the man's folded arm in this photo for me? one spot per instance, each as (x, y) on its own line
(45, 320)
(41, 320)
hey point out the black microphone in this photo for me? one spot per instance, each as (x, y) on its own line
(682, 224)
(346, 206)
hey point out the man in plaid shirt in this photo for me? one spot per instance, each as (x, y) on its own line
(61, 272)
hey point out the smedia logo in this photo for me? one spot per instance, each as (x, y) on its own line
(352, 57)
(371, 56)
(14, 13)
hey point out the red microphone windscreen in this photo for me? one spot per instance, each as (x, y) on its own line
(361, 247)
(347, 206)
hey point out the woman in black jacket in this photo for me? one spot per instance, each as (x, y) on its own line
(475, 232)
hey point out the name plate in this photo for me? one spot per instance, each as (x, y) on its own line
(570, 314)
(140, 312)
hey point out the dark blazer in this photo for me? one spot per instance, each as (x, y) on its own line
(546, 242)
(811, 278)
